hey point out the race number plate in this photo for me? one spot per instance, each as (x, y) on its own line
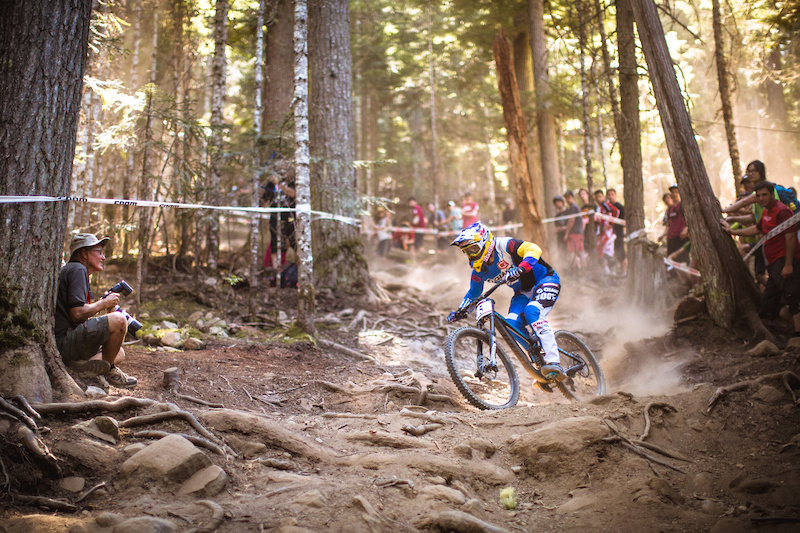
(484, 308)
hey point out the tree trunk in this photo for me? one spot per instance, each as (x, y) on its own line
(254, 221)
(723, 78)
(646, 269)
(781, 162)
(218, 75)
(279, 66)
(518, 142)
(43, 50)
(548, 145)
(339, 263)
(587, 129)
(432, 81)
(729, 289)
(130, 155)
(305, 257)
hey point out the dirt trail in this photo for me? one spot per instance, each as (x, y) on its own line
(326, 439)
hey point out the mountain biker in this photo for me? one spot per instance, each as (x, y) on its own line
(536, 285)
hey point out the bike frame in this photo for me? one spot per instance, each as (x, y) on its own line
(519, 341)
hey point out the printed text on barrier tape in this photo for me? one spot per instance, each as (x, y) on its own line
(148, 203)
(778, 229)
(680, 266)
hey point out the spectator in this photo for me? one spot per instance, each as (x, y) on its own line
(436, 220)
(469, 210)
(384, 231)
(589, 227)
(561, 226)
(677, 231)
(280, 192)
(85, 342)
(510, 214)
(782, 254)
(619, 231)
(667, 199)
(417, 222)
(453, 220)
(747, 217)
(574, 235)
(605, 231)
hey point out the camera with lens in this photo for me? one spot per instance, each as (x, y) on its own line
(124, 289)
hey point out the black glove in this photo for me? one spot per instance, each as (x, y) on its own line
(458, 314)
(513, 274)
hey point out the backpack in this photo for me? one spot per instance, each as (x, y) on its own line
(787, 197)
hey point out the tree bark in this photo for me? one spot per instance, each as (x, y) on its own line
(302, 161)
(130, 154)
(646, 269)
(723, 78)
(546, 121)
(279, 66)
(730, 291)
(339, 263)
(587, 129)
(218, 75)
(517, 137)
(256, 218)
(43, 49)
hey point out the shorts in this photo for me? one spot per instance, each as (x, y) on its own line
(788, 289)
(575, 242)
(85, 341)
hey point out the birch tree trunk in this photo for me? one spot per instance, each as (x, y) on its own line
(339, 262)
(548, 145)
(305, 263)
(723, 78)
(218, 75)
(130, 155)
(43, 46)
(256, 218)
(729, 289)
(518, 142)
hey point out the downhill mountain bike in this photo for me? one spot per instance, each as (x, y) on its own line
(478, 361)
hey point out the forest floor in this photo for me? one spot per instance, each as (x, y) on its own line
(320, 441)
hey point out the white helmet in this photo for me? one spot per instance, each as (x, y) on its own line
(477, 243)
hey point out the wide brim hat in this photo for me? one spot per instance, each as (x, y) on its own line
(84, 240)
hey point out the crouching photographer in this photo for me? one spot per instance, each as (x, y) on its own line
(88, 343)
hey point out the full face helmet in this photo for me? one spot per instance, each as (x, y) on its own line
(477, 243)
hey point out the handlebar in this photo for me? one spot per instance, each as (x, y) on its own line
(462, 313)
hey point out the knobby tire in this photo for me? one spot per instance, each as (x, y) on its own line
(584, 384)
(457, 357)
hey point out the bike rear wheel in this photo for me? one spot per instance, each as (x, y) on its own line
(496, 389)
(584, 377)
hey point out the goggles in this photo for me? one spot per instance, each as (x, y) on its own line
(472, 250)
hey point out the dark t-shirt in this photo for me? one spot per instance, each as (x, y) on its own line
(619, 229)
(577, 226)
(73, 291)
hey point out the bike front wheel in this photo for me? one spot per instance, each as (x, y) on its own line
(584, 376)
(497, 388)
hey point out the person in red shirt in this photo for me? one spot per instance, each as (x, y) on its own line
(417, 222)
(782, 254)
(469, 210)
(677, 231)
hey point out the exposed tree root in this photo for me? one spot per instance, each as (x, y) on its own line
(636, 449)
(349, 415)
(197, 441)
(37, 448)
(418, 431)
(661, 405)
(27, 407)
(172, 413)
(429, 416)
(18, 414)
(459, 522)
(345, 350)
(784, 377)
(170, 379)
(93, 406)
(46, 503)
(382, 438)
(198, 400)
(217, 516)
(90, 492)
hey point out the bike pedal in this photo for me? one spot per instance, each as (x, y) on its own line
(543, 386)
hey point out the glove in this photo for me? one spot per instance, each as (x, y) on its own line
(513, 274)
(458, 314)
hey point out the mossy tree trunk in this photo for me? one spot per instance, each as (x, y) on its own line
(339, 262)
(43, 49)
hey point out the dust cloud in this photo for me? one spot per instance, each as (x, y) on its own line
(597, 313)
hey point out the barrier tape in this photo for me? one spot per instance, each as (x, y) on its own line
(302, 208)
(789, 222)
(681, 266)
